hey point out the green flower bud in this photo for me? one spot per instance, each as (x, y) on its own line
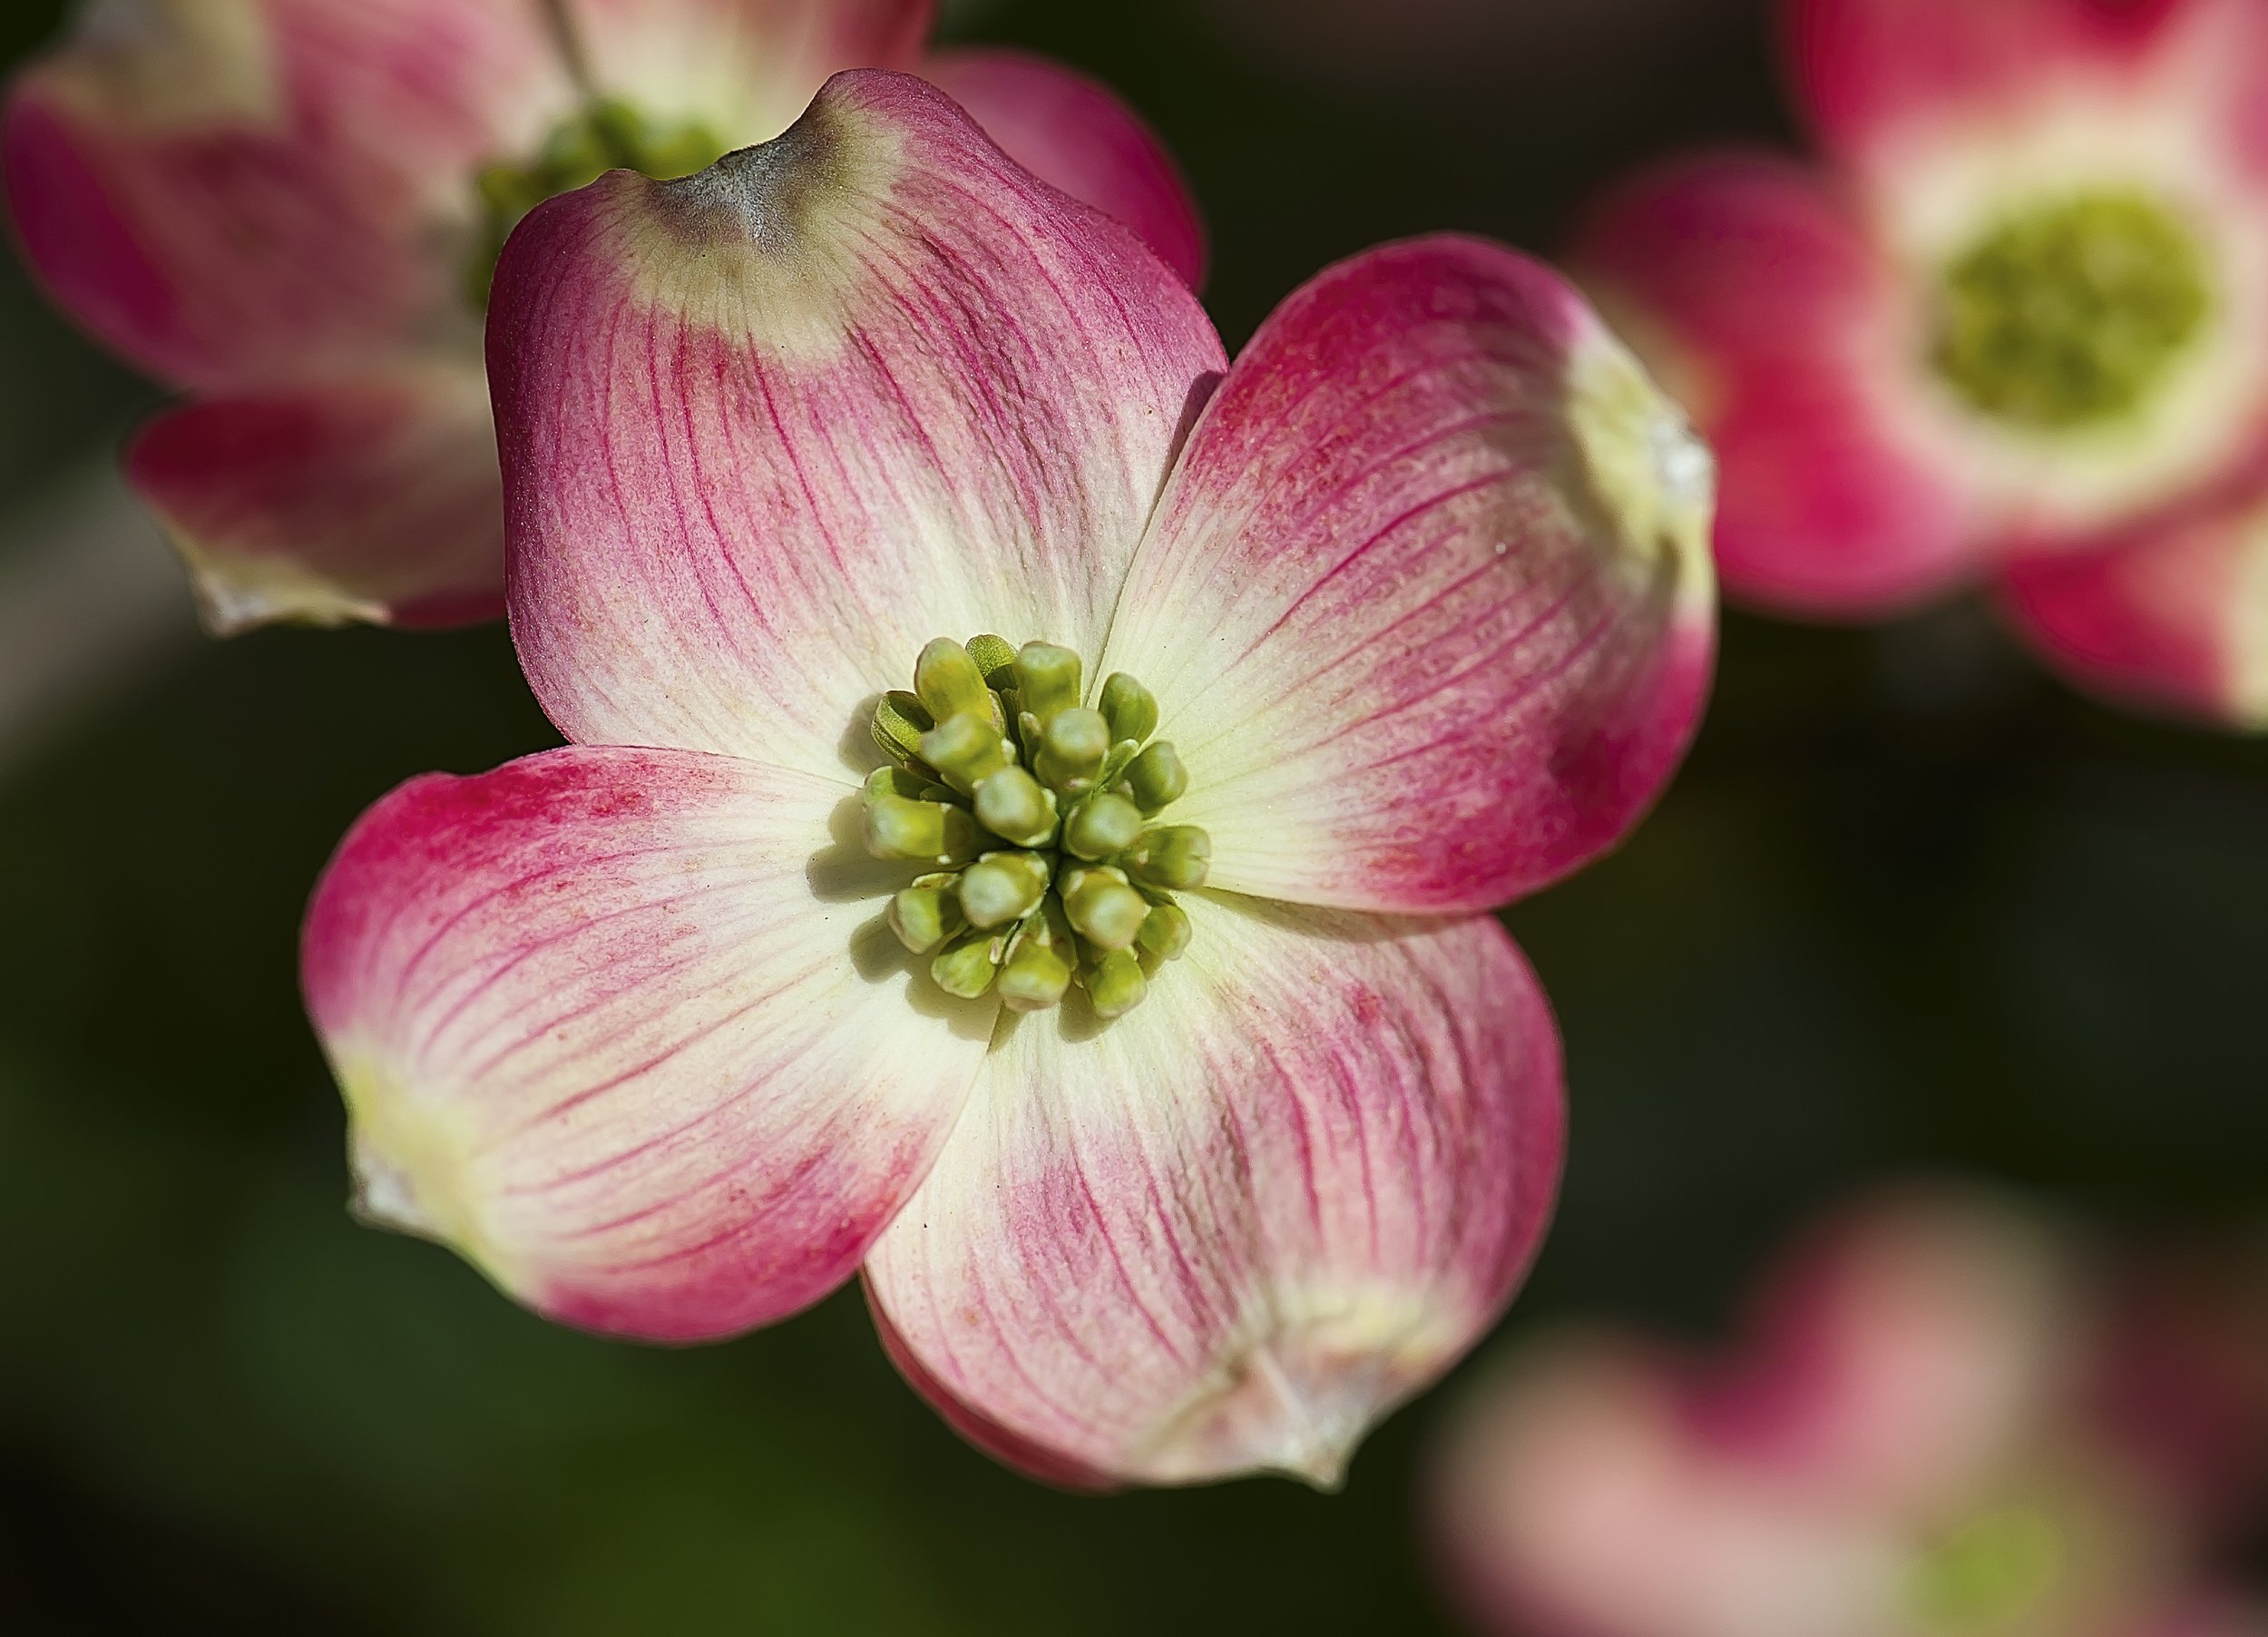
(925, 917)
(967, 750)
(1166, 931)
(1131, 709)
(1175, 857)
(1046, 680)
(919, 832)
(1012, 806)
(1102, 826)
(900, 721)
(1072, 750)
(1155, 778)
(949, 683)
(1035, 977)
(1116, 985)
(965, 968)
(898, 782)
(1105, 910)
(995, 658)
(1001, 887)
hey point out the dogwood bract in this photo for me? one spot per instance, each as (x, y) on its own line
(1031, 791)
(2015, 329)
(291, 210)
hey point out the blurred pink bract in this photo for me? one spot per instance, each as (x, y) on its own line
(2013, 328)
(288, 209)
(1934, 1428)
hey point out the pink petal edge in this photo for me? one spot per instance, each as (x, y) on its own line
(1235, 1229)
(623, 1027)
(769, 430)
(1074, 133)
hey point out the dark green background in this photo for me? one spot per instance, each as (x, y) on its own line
(1911, 905)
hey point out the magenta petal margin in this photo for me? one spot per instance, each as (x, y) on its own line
(1073, 132)
(1474, 620)
(626, 1026)
(1250, 1217)
(594, 1032)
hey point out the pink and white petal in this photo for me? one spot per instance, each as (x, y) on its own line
(227, 191)
(743, 69)
(1755, 294)
(1569, 1496)
(2172, 620)
(1427, 605)
(374, 498)
(1870, 72)
(1074, 132)
(769, 430)
(1232, 1229)
(625, 1029)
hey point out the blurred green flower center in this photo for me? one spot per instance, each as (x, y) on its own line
(2069, 314)
(1031, 813)
(1990, 1575)
(601, 136)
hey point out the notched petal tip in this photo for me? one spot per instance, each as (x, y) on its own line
(1300, 1400)
(237, 595)
(1637, 473)
(770, 244)
(409, 1170)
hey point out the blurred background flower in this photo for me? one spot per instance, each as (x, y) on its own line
(1909, 904)
(2014, 326)
(1944, 1420)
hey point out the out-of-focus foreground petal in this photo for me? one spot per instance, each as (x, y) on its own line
(742, 69)
(1074, 132)
(1869, 71)
(2173, 620)
(1472, 615)
(1757, 299)
(769, 430)
(607, 1027)
(1243, 1222)
(238, 191)
(373, 497)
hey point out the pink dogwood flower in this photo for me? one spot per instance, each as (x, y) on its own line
(1116, 995)
(1925, 1437)
(2014, 328)
(290, 210)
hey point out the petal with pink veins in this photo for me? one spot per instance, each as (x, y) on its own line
(368, 499)
(743, 69)
(1759, 303)
(229, 191)
(626, 1028)
(2172, 619)
(1074, 132)
(1427, 605)
(769, 430)
(1237, 1226)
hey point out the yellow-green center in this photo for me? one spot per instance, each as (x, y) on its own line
(1032, 812)
(605, 134)
(2071, 314)
(1990, 1575)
